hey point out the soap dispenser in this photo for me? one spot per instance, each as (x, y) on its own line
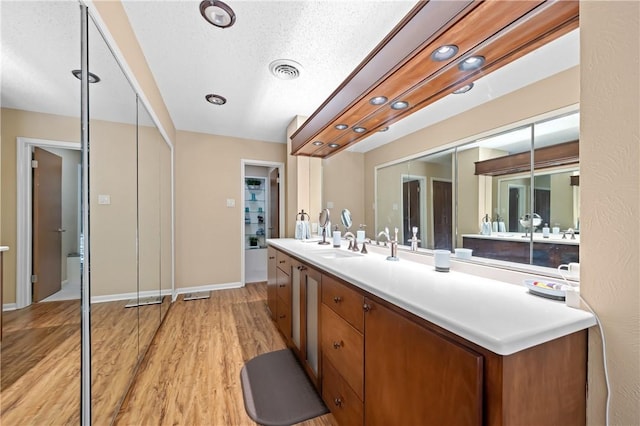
(545, 231)
(336, 237)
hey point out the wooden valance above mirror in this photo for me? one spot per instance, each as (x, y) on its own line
(552, 156)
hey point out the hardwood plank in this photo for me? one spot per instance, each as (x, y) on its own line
(191, 374)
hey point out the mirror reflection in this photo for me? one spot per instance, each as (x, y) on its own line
(493, 196)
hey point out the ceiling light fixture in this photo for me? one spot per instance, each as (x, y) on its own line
(463, 89)
(92, 77)
(471, 63)
(378, 100)
(318, 143)
(334, 145)
(341, 126)
(384, 129)
(285, 69)
(216, 99)
(217, 13)
(445, 52)
(400, 105)
(359, 129)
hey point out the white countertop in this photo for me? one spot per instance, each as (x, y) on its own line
(501, 317)
(519, 237)
(4, 248)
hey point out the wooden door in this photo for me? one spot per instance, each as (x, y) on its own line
(411, 209)
(47, 224)
(414, 376)
(542, 205)
(442, 215)
(514, 209)
(274, 204)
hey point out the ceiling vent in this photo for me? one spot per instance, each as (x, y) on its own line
(285, 69)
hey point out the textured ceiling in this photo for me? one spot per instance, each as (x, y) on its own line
(190, 58)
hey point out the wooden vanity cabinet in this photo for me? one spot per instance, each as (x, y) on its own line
(272, 282)
(283, 294)
(415, 376)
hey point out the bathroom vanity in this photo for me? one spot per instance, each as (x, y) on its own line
(398, 343)
(514, 247)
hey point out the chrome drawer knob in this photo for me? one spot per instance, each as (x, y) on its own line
(337, 401)
(337, 299)
(337, 345)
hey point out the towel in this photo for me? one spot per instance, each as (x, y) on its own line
(306, 230)
(299, 230)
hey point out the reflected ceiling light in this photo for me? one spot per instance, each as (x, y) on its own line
(359, 129)
(341, 126)
(378, 100)
(216, 99)
(92, 77)
(463, 89)
(318, 143)
(384, 129)
(400, 105)
(217, 13)
(471, 63)
(445, 52)
(334, 145)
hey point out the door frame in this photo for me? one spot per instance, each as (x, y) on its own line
(259, 163)
(24, 231)
(423, 207)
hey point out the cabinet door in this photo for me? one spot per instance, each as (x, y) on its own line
(415, 376)
(296, 302)
(272, 282)
(311, 290)
(283, 304)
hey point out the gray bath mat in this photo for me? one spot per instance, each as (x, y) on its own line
(277, 391)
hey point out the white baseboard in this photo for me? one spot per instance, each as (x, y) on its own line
(128, 296)
(9, 307)
(213, 287)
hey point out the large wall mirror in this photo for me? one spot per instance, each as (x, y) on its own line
(485, 195)
(130, 238)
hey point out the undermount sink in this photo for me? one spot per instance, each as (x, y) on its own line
(340, 255)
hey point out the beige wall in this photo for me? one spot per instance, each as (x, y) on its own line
(208, 234)
(610, 202)
(561, 200)
(343, 184)
(17, 123)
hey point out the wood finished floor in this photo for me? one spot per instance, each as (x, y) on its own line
(191, 374)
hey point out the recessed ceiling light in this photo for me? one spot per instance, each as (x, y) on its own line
(92, 77)
(400, 105)
(359, 129)
(285, 69)
(445, 52)
(341, 126)
(463, 89)
(318, 143)
(217, 13)
(471, 63)
(384, 129)
(334, 145)
(216, 99)
(378, 100)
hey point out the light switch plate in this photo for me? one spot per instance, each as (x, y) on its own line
(104, 199)
(329, 204)
(231, 202)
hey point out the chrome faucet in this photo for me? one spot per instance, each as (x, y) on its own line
(414, 240)
(353, 242)
(570, 231)
(394, 247)
(384, 234)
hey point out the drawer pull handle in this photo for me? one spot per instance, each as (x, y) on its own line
(282, 285)
(338, 401)
(302, 268)
(366, 307)
(283, 316)
(271, 257)
(337, 299)
(337, 345)
(282, 261)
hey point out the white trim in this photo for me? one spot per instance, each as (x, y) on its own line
(209, 287)
(23, 212)
(9, 307)
(281, 186)
(127, 296)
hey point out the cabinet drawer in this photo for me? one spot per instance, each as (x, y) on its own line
(283, 318)
(343, 300)
(345, 405)
(283, 289)
(283, 262)
(343, 345)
